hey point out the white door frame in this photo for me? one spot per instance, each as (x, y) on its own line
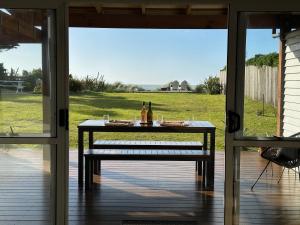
(60, 141)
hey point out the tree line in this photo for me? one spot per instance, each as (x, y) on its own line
(33, 79)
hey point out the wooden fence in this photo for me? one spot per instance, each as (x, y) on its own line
(260, 83)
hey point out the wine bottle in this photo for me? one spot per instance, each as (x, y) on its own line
(149, 114)
(144, 113)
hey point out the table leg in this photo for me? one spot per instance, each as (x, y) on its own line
(200, 167)
(80, 157)
(88, 173)
(97, 163)
(97, 166)
(205, 141)
(211, 162)
(91, 139)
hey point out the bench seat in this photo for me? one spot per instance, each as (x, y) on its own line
(146, 154)
(93, 156)
(137, 144)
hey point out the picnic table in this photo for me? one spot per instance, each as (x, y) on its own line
(149, 150)
(18, 84)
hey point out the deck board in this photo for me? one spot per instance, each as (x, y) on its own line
(141, 190)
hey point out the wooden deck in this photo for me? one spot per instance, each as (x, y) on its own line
(144, 190)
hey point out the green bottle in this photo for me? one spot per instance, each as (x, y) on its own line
(149, 114)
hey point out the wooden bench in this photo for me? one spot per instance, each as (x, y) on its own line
(142, 144)
(137, 144)
(92, 156)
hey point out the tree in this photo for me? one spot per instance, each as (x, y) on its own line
(75, 85)
(3, 72)
(30, 78)
(6, 47)
(212, 85)
(259, 60)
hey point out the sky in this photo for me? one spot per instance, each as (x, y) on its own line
(144, 56)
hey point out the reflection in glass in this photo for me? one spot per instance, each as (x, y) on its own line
(27, 72)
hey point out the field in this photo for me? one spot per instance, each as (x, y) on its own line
(23, 113)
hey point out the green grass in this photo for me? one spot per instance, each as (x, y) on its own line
(24, 113)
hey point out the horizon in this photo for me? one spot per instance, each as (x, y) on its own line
(144, 56)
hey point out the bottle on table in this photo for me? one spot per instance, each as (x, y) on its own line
(144, 113)
(149, 114)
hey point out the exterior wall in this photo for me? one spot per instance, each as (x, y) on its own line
(260, 83)
(291, 90)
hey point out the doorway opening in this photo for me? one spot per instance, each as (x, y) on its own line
(171, 58)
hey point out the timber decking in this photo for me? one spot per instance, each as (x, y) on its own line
(141, 190)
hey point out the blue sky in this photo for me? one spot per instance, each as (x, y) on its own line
(144, 56)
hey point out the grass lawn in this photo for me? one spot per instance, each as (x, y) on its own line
(24, 113)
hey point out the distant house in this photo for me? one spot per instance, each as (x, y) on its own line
(175, 86)
(184, 86)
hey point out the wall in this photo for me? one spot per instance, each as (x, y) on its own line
(260, 82)
(291, 86)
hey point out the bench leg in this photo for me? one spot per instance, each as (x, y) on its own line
(210, 174)
(88, 173)
(199, 167)
(204, 173)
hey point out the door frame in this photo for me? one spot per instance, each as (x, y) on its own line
(60, 151)
(235, 102)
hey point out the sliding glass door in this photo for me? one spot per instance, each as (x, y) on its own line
(262, 135)
(33, 115)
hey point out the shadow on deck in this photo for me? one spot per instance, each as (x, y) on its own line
(144, 190)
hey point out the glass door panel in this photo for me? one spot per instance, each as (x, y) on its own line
(271, 74)
(32, 145)
(27, 72)
(266, 148)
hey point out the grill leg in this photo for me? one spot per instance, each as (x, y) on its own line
(280, 175)
(272, 169)
(260, 175)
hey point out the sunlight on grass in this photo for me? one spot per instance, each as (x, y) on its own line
(24, 113)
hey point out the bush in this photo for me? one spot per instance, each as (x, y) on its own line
(95, 83)
(212, 85)
(75, 85)
(200, 88)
